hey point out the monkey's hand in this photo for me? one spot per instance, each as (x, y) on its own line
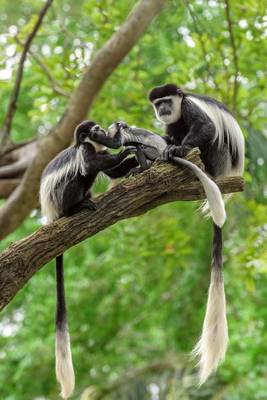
(175, 151)
(123, 125)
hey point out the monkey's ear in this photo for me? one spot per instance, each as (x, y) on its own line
(180, 92)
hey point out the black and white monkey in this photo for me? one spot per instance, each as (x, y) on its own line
(65, 189)
(199, 121)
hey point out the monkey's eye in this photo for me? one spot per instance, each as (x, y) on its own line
(95, 128)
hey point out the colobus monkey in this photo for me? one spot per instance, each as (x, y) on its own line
(150, 147)
(199, 121)
(65, 189)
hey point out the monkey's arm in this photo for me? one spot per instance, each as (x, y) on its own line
(107, 161)
(122, 169)
(201, 131)
(108, 141)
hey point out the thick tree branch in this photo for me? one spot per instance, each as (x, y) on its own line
(24, 198)
(160, 184)
(15, 92)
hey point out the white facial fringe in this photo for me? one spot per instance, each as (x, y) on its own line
(176, 110)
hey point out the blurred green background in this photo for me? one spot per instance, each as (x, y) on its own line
(137, 291)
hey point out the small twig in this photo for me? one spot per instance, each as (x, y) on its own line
(202, 43)
(234, 50)
(55, 85)
(15, 92)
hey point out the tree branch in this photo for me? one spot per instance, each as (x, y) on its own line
(202, 41)
(55, 85)
(24, 198)
(162, 183)
(234, 50)
(14, 95)
(7, 186)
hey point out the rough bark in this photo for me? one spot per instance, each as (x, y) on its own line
(24, 198)
(162, 183)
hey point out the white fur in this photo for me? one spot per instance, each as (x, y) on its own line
(64, 367)
(225, 123)
(214, 196)
(176, 110)
(49, 203)
(112, 130)
(212, 345)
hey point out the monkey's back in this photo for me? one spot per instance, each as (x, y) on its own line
(56, 176)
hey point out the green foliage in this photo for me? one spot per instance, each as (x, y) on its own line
(137, 292)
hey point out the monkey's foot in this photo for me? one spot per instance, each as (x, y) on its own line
(87, 205)
(134, 171)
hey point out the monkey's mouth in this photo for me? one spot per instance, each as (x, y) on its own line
(99, 132)
(164, 112)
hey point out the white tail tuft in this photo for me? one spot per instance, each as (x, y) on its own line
(64, 368)
(212, 345)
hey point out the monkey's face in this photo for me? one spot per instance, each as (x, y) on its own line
(117, 128)
(94, 136)
(86, 132)
(168, 108)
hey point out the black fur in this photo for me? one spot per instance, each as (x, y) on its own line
(165, 90)
(61, 315)
(217, 264)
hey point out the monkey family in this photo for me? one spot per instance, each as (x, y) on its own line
(190, 121)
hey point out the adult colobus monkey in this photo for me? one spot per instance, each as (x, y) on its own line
(65, 189)
(200, 121)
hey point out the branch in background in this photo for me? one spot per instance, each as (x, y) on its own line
(161, 184)
(7, 186)
(25, 197)
(205, 53)
(4, 135)
(15, 162)
(55, 85)
(234, 50)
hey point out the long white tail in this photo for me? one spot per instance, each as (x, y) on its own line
(212, 344)
(214, 196)
(64, 367)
